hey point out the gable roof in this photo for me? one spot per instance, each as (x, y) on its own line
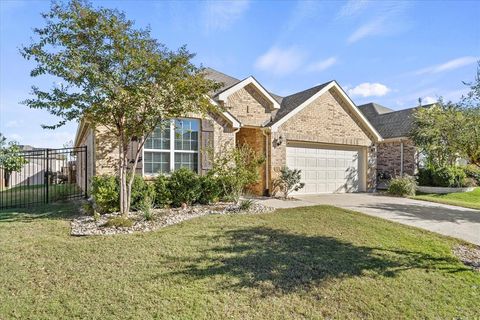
(289, 103)
(389, 123)
(284, 107)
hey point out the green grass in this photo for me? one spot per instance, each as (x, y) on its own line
(315, 262)
(463, 199)
(21, 195)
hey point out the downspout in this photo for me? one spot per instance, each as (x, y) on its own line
(267, 164)
(401, 158)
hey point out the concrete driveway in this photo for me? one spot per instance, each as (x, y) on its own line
(448, 220)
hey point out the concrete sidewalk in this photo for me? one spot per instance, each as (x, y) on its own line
(458, 222)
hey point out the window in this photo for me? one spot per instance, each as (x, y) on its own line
(171, 146)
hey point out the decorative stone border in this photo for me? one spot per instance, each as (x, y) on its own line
(86, 225)
(442, 190)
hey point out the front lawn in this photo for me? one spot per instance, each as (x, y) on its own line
(463, 199)
(315, 262)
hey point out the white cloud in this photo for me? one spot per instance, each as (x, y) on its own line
(280, 61)
(353, 7)
(428, 100)
(368, 89)
(373, 27)
(449, 65)
(386, 18)
(322, 65)
(220, 15)
(13, 124)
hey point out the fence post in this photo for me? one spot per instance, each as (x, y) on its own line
(46, 178)
(86, 171)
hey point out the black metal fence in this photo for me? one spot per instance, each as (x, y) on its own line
(48, 175)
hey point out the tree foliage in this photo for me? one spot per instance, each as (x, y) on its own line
(448, 131)
(11, 159)
(114, 76)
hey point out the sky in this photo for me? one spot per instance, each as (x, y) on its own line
(391, 53)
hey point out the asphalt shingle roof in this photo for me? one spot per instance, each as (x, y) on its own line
(389, 123)
(217, 76)
(289, 103)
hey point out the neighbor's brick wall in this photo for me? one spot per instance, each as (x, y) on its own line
(256, 140)
(325, 120)
(389, 157)
(249, 106)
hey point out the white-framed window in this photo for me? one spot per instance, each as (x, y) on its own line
(172, 146)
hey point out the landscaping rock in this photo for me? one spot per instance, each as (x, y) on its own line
(469, 255)
(87, 226)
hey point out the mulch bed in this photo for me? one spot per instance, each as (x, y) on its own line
(86, 225)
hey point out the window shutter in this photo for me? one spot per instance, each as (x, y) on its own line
(206, 144)
(132, 148)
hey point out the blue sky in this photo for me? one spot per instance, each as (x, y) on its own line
(391, 53)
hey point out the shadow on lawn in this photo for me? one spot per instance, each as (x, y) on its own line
(56, 211)
(277, 262)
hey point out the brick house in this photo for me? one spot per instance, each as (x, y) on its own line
(396, 152)
(318, 130)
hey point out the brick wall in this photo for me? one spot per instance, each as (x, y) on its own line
(256, 140)
(389, 157)
(249, 106)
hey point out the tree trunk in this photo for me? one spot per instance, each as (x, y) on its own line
(6, 175)
(124, 196)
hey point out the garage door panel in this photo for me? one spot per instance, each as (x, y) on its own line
(325, 170)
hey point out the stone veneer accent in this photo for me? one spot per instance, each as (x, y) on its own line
(249, 106)
(326, 120)
(389, 157)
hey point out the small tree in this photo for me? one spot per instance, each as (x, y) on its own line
(236, 169)
(289, 181)
(448, 131)
(115, 77)
(10, 158)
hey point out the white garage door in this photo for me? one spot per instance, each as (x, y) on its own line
(325, 170)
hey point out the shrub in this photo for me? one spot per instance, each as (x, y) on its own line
(184, 187)
(146, 207)
(236, 169)
(141, 190)
(209, 189)
(402, 186)
(105, 193)
(289, 181)
(449, 176)
(246, 205)
(118, 222)
(163, 196)
(472, 171)
(425, 176)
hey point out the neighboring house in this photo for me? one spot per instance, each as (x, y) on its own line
(318, 130)
(396, 153)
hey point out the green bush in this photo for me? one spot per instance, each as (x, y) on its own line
(448, 176)
(288, 181)
(184, 187)
(451, 176)
(246, 204)
(141, 190)
(402, 186)
(163, 196)
(209, 189)
(425, 176)
(146, 207)
(472, 171)
(235, 170)
(118, 222)
(105, 193)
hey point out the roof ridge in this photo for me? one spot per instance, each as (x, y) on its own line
(317, 86)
